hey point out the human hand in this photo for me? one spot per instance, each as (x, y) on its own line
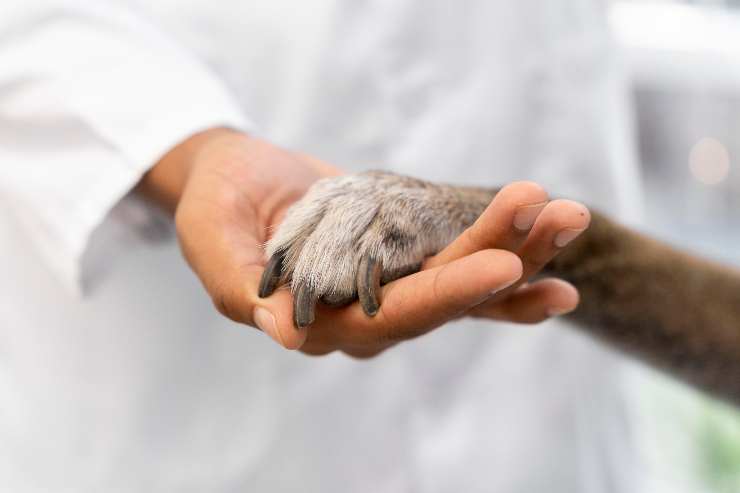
(350, 233)
(228, 189)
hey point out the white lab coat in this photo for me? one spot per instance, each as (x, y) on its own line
(116, 374)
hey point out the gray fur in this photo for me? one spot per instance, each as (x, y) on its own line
(394, 219)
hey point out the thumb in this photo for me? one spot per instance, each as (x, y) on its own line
(227, 258)
(274, 315)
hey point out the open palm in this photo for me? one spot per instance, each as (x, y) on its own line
(239, 187)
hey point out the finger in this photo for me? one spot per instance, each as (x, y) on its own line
(531, 303)
(415, 304)
(365, 353)
(559, 223)
(368, 284)
(313, 349)
(274, 316)
(504, 224)
(229, 267)
(236, 296)
(271, 275)
(316, 349)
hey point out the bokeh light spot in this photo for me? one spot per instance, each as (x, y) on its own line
(709, 161)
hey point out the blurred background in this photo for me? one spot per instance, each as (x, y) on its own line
(683, 59)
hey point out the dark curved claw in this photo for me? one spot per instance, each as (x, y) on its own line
(392, 275)
(304, 305)
(368, 284)
(271, 275)
(337, 300)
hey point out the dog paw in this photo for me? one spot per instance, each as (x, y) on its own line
(352, 233)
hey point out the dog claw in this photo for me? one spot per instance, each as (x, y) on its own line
(304, 306)
(368, 284)
(271, 275)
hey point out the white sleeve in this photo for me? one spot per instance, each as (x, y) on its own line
(90, 97)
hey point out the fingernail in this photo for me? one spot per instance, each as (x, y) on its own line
(566, 236)
(266, 323)
(526, 215)
(504, 286)
(555, 312)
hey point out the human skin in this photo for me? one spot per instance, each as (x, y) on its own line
(226, 190)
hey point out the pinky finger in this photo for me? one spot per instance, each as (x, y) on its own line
(531, 303)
